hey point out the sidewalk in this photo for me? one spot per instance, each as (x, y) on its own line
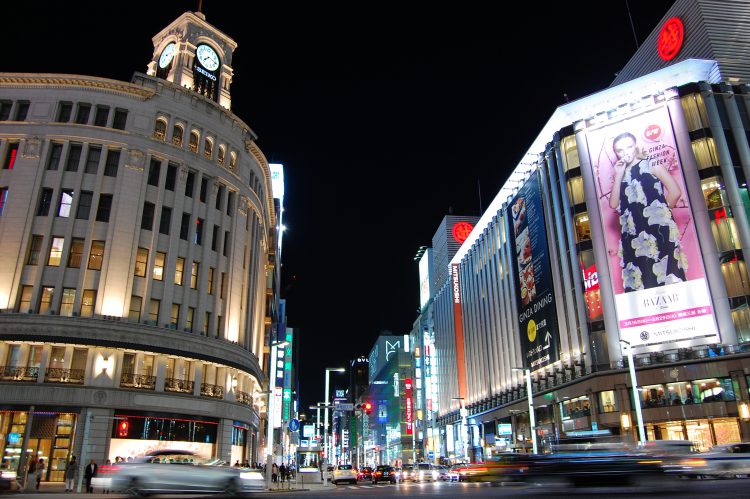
(59, 487)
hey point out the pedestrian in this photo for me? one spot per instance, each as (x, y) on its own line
(71, 473)
(237, 464)
(282, 473)
(31, 475)
(39, 473)
(88, 474)
(274, 473)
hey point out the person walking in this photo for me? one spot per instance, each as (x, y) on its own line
(88, 474)
(29, 486)
(282, 473)
(274, 473)
(71, 473)
(40, 468)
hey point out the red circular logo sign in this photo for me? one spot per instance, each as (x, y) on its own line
(670, 38)
(653, 132)
(461, 231)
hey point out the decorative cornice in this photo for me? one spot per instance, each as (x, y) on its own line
(252, 148)
(63, 81)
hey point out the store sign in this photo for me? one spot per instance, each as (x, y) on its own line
(670, 38)
(504, 429)
(537, 314)
(458, 327)
(409, 408)
(591, 292)
(461, 231)
(655, 261)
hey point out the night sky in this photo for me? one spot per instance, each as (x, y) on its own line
(384, 116)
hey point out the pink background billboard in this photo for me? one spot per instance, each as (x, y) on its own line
(653, 253)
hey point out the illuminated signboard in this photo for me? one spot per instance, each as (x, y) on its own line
(670, 38)
(537, 314)
(458, 327)
(591, 293)
(308, 431)
(504, 429)
(655, 261)
(278, 395)
(409, 408)
(424, 278)
(461, 231)
(277, 180)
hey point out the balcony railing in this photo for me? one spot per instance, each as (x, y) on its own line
(244, 398)
(142, 381)
(60, 375)
(13, 373)
(178, 385)
(215, 391)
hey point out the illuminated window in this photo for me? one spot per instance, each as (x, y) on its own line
(210, 280)
(153, 310)
(189, 319)
(208, 148)
(734, 272)
(194, 139)
(575, 190)
(695, 111)
(88, 300)
(24, 302)
(704, 150)
(96, 256)
(159, 261)
(233, 161)
(66, 304)
(160, 129)
(220, 155)
(55, 251)
(178, 271)
(3, 198)
(45, 301)
(570, 153)
(583, 230)
(141, 261)
(66, 201)
(76, 253)
(175, 315)
(177, 133)
(194, 275)
(607, 401)
(134, 314)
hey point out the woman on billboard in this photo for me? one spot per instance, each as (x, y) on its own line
(643, 194)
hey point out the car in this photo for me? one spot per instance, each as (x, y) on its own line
(344, 473)
(407, 473)
(365, 473)
(180, 471)
(397, 471)
(383, 473)
(505, 467)
(454, 474)
(425, 472)
(722, 461)
(442, 473)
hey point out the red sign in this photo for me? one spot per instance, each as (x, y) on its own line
(653, 132)
(592, 295)
(409, 409)
(670, 38)
(461, 231)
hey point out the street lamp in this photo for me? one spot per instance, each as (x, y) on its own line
(271, 407)
(636, 398)
(329, 370)
(530, 397)
(464, 426)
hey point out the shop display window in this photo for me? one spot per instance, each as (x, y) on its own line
(653, 396)
(575, 191)
(583, 229)
(705, 152)
(713, 390)
(607, 401)
(575, 408)
(695, 111)
(570, 153)
(680, 393)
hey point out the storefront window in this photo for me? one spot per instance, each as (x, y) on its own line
(722, 222)
(57, 358)
(680, 393)
(713, 390)
(695, 111)
(570, 153)
(35, 356)
(734, 272)
(607, 401)
(583, 230)
(575, 408)
(653, 396)
(575, 190)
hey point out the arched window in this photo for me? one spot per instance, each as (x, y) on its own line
(177, 134)
(194, 139)
(220, 156)
(233, 161)
(160, 129)
(208, 148)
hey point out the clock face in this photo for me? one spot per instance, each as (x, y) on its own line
(207, 57)
(167, 55)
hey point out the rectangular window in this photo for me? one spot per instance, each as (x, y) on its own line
(92, 159)
(219, 197)
(10, 156)
(153, 172)
(112, 163)
(194, 275)
(206, 322)
(105, 205)
(5, 107)
(24, 303)
(82, 117)
(198, 231)
(3, 199)
(22, 110)
(179, 270)
(55, 251)
(226, 243)
(147, 219)
(35, 249)
(134, 314)
(64, 112)
(219, 326)
(141, 262)
(97, 255)
(160, 260)
(55, 153)
(223, 288)
(102, 113)
(175, 315)
(66, 201)
(121, 118)
(171, 177)
(74, 157)
(45, 200)
(190, 184)
(214, 237)
(230, 203)
(66, 304)
(45, 301)
(76, 253)
(211, 280)
(165, 220)
(607, 401)
(84, 205)
(189, 319)
(88, 300)
(204, 188)
(153, 310)
(185, 226)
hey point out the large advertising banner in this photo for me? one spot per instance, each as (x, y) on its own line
(537, 315)
(655, 261)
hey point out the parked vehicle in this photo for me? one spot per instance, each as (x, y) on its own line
(365, 473)
(383, 474)
(344, 473)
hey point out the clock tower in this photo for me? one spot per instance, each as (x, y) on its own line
(193, 54)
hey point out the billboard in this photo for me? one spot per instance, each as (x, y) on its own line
(424, 278)
(409, 407)
(537, 315)
(653, 254)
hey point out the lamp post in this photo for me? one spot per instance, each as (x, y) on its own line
(530, 397)
(464, 426)
(636, 398)
(329, 370)
(271, 407)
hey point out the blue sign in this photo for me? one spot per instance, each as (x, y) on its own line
(431, 455)
(14, 438)
(594, 426)
(293, 425)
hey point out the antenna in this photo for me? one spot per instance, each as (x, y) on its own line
(632, 26)
(479, 188)
(200, 5)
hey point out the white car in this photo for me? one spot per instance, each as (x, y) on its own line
(178, 471)
(425, 472)
(725, 461)
(344, 473)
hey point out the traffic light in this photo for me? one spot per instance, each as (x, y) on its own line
(367, 407)
(122, 428)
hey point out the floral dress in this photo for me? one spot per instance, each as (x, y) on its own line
(650, 252)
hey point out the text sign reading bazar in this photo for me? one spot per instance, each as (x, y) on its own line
(537, 317)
